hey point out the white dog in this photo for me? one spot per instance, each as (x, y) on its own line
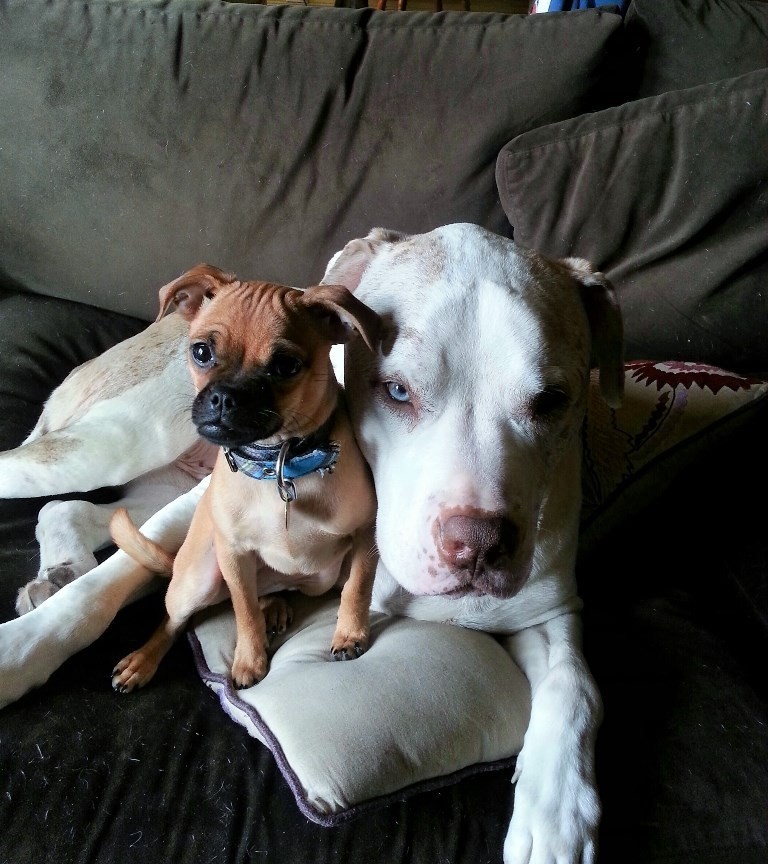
(470, 417)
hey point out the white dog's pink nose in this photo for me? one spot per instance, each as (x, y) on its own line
(482, 547)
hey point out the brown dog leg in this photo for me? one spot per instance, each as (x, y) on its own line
(350, 639)
(239, 571)
(196, 583)
(139, 667)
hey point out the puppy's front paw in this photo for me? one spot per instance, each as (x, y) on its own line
(349, 644)
(249, 666)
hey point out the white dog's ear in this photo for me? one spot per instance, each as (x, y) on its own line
(191, 288)
(347, 311)
(347, 266)
(604, 313)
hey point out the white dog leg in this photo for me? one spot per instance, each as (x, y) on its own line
(557, 809)
(69, 532)
(34, 646)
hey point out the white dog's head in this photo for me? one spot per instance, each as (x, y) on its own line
(476, 395)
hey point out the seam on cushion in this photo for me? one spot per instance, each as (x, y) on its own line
(633, 121)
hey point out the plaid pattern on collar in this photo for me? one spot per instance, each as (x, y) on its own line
(314, 452)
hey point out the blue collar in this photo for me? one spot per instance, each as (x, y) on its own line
(292, 458)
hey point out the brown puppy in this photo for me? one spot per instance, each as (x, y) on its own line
(290, 504)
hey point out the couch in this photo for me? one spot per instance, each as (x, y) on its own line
(138, 138)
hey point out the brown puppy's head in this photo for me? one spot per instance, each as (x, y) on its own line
(259, 352)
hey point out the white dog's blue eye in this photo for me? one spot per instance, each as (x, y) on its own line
(397, 391)
(202, 354)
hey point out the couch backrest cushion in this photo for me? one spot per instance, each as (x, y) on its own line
(669, 196)
(683, 43)
(140, 138)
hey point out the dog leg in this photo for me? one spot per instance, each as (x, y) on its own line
(557, 809)
(195, 584)
(139, 667)
(250, 662)
(81, 457)
(34, 646)
(350, 639)
(69, 532)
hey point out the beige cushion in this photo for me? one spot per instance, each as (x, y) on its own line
(426, 701)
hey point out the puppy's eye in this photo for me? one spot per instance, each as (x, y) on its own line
(202, 354)
(284, 366)
(397, 392)
(548, 402)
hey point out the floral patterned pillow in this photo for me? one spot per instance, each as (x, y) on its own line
(671, 411)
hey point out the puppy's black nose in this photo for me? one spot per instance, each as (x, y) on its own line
(231, 415)
(477, 543)
(220, 404)
(222, 401)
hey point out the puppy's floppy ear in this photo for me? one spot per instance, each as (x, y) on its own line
(347, 266)
(602, 307)
(346, 312)
(191, 288)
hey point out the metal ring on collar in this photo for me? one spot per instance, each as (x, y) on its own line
(285, 487)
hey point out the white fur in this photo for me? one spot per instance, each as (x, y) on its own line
(476, 329)
(475, 339)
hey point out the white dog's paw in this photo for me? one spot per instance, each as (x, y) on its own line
(49, 580)
(61, 573)
(34, 593)
(553, 825)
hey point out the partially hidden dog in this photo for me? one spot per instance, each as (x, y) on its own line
(469, 414)
(290, 500)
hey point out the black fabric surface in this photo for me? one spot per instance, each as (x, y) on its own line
(163, 775)
(676, 645)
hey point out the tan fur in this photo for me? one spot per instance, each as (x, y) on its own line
(143, 550)
(238, 541)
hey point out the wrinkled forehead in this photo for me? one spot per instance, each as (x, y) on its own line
(257, 317)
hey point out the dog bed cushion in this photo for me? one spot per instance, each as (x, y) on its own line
(669, 197)
(347, 735)
(413, 711)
